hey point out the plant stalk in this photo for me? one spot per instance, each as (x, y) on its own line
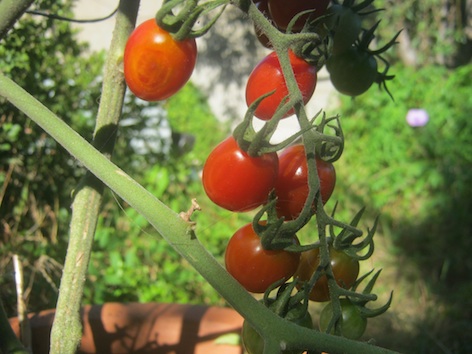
(66, 332)
(178, 233)
(10, 12)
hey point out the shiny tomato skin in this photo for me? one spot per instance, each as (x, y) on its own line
(292, 188)
(254, 267)
(236, 181)
(267, 76)
(345, 270)
(282, 11)
(156, 66)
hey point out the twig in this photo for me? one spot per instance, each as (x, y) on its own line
(25, 329)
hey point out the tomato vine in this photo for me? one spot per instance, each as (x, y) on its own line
(302, 44)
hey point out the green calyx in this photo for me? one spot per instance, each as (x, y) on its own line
(182, 24)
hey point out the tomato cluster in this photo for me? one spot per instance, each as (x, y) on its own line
(238, 182)
(289, 182)
(352, 66)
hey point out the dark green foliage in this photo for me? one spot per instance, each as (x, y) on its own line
(130, 261)
(420, 180)
(36, 175)
(163, 151)
(435, 31)
(399, 165)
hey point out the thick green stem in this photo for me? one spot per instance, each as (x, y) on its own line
(67, 328)
(178, 233)
(10, 11)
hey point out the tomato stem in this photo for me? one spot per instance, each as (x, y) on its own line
(10, 11)
(67, 327)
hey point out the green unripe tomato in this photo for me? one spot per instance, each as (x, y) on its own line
(352, 323)
(352, 72)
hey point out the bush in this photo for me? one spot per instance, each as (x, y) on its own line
(36, 174)
(418, 179)
(130, 261)
(162, 145)
(406, 168)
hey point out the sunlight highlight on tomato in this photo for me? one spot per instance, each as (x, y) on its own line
(292, 188)
(254, 267)
(267, 76)
(236, 181)
(156, 66)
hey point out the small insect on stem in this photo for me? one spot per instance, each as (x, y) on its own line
(188, 214)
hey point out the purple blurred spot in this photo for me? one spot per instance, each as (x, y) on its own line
(417, 117)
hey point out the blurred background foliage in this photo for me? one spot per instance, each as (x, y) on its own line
(36, 174)
(419, 179)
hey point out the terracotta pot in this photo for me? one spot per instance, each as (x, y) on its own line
(155, 328)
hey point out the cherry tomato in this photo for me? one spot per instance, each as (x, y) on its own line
(267, 76)
(353, 71)
(345, 270)
(254, 343)
(156, 66)
(282, 11)
(292, 188)
(254, 267)
(352, 323)
(236, 181)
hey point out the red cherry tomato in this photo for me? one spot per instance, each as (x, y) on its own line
(254, 267)
(282, 11)
(156, 66)
(236, 181)
(267, 76)
(345, 270)
(292, 188)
